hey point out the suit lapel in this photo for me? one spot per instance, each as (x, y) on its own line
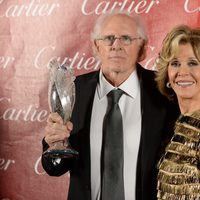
(85, 90)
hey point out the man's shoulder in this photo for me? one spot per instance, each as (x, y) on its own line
(87, 76)
(147, 73)
(147, 77)
(149, 86)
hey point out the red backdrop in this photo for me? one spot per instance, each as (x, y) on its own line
(31, 34)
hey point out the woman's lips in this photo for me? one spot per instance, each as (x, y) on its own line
(184, 83)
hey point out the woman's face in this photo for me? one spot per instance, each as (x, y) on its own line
(184, 73)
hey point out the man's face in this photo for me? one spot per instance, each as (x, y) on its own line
(118, 57)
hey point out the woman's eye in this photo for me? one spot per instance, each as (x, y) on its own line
(175, 64)
(193, 63)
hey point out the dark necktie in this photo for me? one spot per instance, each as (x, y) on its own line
(112, 183)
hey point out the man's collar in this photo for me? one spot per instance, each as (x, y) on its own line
(130, 86)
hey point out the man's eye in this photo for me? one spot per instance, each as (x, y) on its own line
(109, 38)
(125, 38)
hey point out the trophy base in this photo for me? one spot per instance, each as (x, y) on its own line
(60, 153)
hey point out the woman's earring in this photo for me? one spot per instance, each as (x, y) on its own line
(168, 84)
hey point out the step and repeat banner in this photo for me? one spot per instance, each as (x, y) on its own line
(33, 32)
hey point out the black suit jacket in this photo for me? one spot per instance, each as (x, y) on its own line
(157, 120)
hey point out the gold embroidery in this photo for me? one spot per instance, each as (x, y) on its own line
(179, 169)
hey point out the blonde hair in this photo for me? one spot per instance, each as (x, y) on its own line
(181, 34)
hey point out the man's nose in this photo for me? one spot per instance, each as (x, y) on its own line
(117, 45)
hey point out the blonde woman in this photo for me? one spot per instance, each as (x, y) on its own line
(178, 78)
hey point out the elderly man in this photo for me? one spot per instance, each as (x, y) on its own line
(118, 146)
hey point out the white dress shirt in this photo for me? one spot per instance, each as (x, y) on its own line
(129, 104)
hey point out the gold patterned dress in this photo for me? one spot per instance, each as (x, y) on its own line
(179, 169)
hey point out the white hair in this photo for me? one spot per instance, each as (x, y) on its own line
(136, 18)
(95, 34)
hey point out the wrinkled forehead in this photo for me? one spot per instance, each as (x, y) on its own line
(119, 24)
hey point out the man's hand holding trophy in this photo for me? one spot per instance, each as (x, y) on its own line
(61, 98)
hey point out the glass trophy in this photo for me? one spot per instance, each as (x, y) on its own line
(61, 98)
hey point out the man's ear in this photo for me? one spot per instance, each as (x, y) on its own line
(95, 46)
(142, 53)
